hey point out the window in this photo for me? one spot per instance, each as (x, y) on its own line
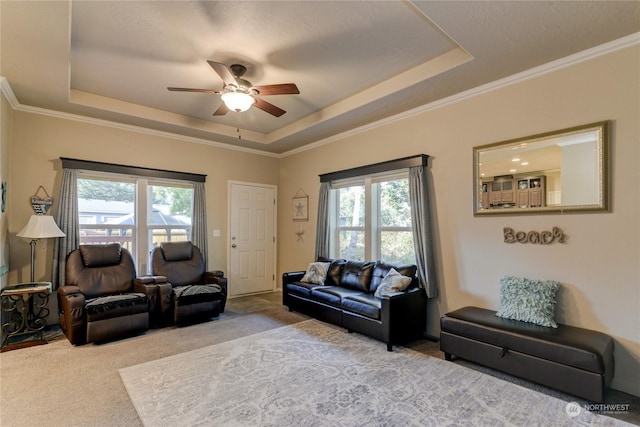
(370, 219)
(136, 212)
(171, 212)
(106, 211)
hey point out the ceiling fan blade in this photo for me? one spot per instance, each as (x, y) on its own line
(186, 89)
(281, 89)
(269, 108)
(224, 73)
(222, 110)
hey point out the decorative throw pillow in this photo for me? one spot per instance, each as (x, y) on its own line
(316, 273)
(392, 282)
(532, 301)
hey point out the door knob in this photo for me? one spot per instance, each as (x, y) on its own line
(233, 246)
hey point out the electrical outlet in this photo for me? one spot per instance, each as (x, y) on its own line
(216, 233)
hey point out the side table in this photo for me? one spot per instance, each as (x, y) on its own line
(26, 304)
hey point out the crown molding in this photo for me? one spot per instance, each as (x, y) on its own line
(5, 87)
(6, 90)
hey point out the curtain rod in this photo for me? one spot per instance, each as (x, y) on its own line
(68, 163)
(389, 165)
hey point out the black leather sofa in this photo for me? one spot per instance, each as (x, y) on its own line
(574, 360)
(347, 299)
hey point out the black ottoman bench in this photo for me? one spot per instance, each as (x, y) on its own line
(573, 360)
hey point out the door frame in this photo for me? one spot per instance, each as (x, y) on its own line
(230, 183)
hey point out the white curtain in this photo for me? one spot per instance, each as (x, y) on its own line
(68, 221)
(199, 226)
(422, 229)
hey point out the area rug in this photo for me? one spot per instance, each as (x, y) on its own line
(314, 374)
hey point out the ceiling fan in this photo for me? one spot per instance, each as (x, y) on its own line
(239, 94)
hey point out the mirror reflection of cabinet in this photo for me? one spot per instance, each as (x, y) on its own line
(531, 192)
(501, 192)
(509, 192)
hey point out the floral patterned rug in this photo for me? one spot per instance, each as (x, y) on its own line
(314, 374)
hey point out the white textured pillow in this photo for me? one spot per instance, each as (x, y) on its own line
(316, 273)
(392, 282)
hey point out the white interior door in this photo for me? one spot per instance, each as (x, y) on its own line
(252, 240)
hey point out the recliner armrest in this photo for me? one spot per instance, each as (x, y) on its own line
(150, 286)
(68, 290)
(212, 277)
(143, 280)
(71, 313)
(216, 277)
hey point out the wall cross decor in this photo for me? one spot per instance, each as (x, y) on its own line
(543, 237)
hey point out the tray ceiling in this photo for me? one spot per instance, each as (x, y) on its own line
(354, 62)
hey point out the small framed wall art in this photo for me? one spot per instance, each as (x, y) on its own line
(300, 206)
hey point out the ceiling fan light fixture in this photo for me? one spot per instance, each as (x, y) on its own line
(238, 101)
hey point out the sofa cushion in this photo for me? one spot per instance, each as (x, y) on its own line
(357, 275)
(393, 282)
(381, 269)
(316, 273)
(112, 306)
(335, 270)
(100, 255)
(302, 289)
(332, 295)
(528, 300)
(364, 304)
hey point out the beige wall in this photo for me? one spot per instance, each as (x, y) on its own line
(39, 141)
(598, 265)
(6, 115)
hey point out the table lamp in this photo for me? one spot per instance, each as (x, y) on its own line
(39, 227)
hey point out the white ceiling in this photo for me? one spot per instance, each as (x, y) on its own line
(355, 62)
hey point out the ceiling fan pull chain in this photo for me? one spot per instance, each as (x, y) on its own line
(238, 126)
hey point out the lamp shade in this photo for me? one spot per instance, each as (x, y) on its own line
(238, 101)
(40, 227)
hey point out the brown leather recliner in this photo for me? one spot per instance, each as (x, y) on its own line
(98, 301)
(191, 294)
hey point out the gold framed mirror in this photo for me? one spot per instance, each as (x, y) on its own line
(565, 170)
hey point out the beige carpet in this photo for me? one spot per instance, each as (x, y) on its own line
(314, 374)
(62, 385)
